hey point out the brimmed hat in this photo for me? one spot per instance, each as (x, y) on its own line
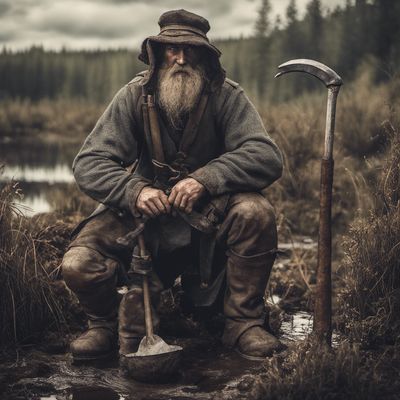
(183, 27)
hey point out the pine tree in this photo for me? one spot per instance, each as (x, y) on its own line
(262, 26)
(291, 13)
(262, 29)
(315, 34)
(293, 40)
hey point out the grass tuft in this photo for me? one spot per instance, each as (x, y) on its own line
(308, 371)
(31, 300)
(370, 299)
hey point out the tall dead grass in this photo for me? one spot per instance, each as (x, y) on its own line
(298, 127)
(370, 297)
(308, 371)
(31, 302)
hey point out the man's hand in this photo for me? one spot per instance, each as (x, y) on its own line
(152, 202)
(185, 193)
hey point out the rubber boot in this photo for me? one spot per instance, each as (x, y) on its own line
(244, 307)
(99, 341)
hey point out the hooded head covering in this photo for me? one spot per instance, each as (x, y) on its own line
(183, 27)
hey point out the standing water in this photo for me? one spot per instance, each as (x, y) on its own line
(41, 170)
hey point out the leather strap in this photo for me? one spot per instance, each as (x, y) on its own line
(192, 126)
(158, 152)
(152, 128)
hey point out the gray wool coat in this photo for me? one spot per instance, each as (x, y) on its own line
(232, 151)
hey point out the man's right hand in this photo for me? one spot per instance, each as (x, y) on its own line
(152, 202)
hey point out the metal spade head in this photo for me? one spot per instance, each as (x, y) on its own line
(154, 361)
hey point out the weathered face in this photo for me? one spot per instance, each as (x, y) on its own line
(181, 55)
(181, 78)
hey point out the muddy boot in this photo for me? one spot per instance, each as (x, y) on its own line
(100, 340)
(256, 344)
(244, 307)
(132, 328)
(92, 278)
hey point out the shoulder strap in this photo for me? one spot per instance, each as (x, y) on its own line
(152, 129)
(192, 126)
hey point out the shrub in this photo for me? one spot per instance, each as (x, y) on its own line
(370, 299)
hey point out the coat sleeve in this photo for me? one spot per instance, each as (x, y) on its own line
(99, 167)
(251, 161)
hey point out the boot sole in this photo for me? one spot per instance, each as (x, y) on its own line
(93, 358)
(251, 358)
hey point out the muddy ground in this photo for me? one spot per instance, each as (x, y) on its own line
(208, 371)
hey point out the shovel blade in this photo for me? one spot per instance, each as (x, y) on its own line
(155, 360)
(153, 345)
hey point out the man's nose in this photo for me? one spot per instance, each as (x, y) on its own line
(181, 57)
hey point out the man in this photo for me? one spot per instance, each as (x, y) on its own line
(203, 156)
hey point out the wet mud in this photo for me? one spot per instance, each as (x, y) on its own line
(208, 371)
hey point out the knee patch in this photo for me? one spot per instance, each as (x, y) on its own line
(83, 267)
(255, 209)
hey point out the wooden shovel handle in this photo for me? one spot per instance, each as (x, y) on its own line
(146, 292)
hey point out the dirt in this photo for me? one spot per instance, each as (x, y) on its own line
(208, 371)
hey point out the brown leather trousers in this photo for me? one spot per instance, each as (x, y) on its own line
(95, 265)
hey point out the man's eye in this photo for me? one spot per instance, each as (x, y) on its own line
(173, 49)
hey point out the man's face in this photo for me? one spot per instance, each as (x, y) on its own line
(181, 78)
(181, 55)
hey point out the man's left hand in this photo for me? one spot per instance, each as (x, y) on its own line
(185, 193)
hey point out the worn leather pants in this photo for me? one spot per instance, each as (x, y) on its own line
(93, 268)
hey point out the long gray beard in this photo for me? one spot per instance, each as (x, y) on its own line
(179, 92)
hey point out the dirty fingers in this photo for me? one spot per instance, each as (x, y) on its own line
(152, 202)
(185, 193)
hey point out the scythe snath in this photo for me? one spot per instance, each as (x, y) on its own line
(323, 302)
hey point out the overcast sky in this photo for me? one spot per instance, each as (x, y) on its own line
(87, 24)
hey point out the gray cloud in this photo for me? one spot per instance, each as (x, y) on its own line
(6, 36)
(4, 8)
(120, 23)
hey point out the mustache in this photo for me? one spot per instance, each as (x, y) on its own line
(177, 69)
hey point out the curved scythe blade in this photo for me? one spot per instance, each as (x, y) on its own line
(325, 74)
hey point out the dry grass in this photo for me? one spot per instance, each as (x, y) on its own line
(360, 144)
(307, 371)
(31, 300)
(75, 204)
(72, 119)
(370, 299)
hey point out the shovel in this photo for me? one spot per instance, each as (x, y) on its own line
(155, 360)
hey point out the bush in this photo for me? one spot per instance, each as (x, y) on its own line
(370, 299)
(309, 371)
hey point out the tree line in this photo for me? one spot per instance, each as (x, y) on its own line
(343, 38)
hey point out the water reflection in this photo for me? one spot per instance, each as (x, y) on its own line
(55, 174)
(42, 169)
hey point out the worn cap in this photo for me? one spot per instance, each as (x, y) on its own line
(180, 27)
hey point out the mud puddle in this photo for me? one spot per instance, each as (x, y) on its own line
(208, 372)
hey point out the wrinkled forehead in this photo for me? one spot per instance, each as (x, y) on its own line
(182, 46)
(199, 53)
